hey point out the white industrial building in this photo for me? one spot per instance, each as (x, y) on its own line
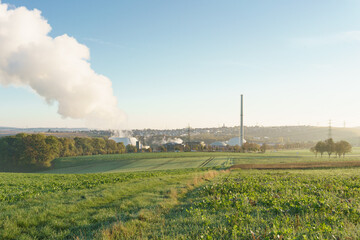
(218, 144)
(235, 141)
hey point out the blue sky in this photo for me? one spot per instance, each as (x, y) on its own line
(174, 63)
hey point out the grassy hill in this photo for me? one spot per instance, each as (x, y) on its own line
(275, 134)
(182, 196)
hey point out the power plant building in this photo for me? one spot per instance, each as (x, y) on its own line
(218, 144)
(235, 141)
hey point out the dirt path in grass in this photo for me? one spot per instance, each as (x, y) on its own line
(151, 222)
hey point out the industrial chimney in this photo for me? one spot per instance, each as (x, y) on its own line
(241, 137)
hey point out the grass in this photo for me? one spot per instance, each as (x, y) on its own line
(252, 204)
(138, 162)
(178, 197)
(291, 156)
(173, 160)
(299, 165)
(44, 206)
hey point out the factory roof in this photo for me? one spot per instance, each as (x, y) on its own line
(235, 141)
(218, 144)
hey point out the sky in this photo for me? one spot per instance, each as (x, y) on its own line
(179, 63)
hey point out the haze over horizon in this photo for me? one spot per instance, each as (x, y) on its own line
(169, 64)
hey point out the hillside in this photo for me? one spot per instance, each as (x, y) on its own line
(276, 134)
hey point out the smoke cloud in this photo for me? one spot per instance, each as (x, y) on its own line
(172, 140)
(55, 68)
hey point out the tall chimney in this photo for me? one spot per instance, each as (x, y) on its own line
(241, 122)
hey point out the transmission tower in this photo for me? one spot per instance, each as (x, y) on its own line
(189, 133)
(329, 133)
(241, 131)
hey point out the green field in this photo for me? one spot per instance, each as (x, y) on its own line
(292, 156)
(139, 162)
(48, 206)
(173, 160)
(296, 204)
(182, 196)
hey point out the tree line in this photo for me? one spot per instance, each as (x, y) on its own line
(247, 147)
(27, 152)
(329, 146)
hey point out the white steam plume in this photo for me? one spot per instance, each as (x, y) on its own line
(55, 68)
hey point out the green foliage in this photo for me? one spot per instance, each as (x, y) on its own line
(18, 187)
(163, 149)
(329, 146)
(278, 205)
(342, 147)
(250, 147)
(263, 147)
(320, 147)
(25, 151)
(131, 149)
(54, 206)
(28, 152)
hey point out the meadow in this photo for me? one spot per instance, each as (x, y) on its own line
(182, 196)
(178, 160)
(139, 162)
(253, 204)
(49, 206)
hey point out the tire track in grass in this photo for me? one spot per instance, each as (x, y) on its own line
(162, 164)
(206, 162)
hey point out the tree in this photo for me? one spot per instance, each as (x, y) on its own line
(54, 147)
(236, 148)
(346, 147)
(67, 147)
(84, 146)
(313, 150)
(342, 147)
(250, 147)
(98, 145)
(330, 146)
(121, 147)
(320, 147)
(111, 146)
(162, 148)
(28, 152)
(131, 149)
(263, 148)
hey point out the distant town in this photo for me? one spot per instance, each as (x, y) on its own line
(277, 135)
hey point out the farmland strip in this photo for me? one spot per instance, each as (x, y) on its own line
(328, 164)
